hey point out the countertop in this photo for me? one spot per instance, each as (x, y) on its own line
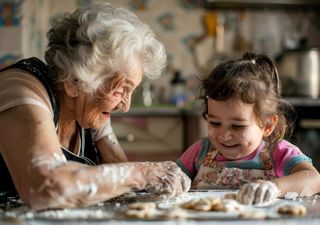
(111, 212)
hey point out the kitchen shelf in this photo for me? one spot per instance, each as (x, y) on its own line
(218, 4)
(158, 111)
(175, 111)
(303, 102)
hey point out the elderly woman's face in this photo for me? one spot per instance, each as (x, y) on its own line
(94, 111)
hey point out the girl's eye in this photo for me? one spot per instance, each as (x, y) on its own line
(214, 124)
(237, 126)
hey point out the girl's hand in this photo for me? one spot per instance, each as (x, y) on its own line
(258, 193)
(165, 179)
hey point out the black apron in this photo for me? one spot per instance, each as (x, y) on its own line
(88, 153)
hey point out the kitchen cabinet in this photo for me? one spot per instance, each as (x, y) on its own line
(306, 133)
(156, 134)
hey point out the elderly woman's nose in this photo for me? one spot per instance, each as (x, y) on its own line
(124, 104)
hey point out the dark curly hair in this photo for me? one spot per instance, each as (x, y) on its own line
(252, 79)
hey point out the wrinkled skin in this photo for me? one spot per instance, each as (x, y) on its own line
(62, 184)
(166, 179)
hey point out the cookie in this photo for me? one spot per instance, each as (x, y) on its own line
(230, 205)
(140, 210)
(142, 206)
(292, 209)
(189, 204)
(231, 195)
(175, 213)
(204, 204)
(138, 214)
(291, 195)
(253, 215)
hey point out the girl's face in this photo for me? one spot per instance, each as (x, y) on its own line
(93, 111)
(233, 128)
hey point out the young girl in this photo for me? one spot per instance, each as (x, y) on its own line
(246, 125)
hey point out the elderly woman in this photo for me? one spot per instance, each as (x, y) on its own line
(55, 117)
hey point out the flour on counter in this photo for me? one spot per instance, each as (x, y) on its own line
(166, 209)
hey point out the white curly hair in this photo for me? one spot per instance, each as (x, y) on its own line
(98, 41)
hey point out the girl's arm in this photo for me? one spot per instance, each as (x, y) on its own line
(303, 179)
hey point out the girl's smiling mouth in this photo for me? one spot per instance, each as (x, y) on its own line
(227, 146)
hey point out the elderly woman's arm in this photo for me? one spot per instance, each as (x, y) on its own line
(110, 149)
(108, 145)
(44, 179)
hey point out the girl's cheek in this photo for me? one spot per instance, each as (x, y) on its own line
(210, 131)
(243, 135)
(211, 135)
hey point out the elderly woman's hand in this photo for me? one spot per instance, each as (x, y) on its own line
(165, 179)
(258, 193)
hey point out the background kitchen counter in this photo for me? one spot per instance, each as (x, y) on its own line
(164, 132)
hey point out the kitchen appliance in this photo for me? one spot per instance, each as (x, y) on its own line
(299, 71)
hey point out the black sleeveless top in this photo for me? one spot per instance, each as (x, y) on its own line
(88, 152)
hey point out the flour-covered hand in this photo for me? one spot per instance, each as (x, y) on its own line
(258, 193)
(165, 178)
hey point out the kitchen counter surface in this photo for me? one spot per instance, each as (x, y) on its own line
(112, 212)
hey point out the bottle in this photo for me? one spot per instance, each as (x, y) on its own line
(178, 95)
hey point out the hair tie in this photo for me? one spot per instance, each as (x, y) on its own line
(253, 61)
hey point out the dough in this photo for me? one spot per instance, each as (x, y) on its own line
(142, 206)
(253, 214)
(230, 205)
(202, 204)
(292, 209)
(138, 214)
(232, 195)
(175, 213)
(212, 204)
(291, 195)
(141, 210)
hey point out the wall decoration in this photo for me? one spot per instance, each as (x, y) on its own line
(8, 59)
(191, 40)
(166, 21)
(10, 12)
(138, 4)
(190, 4)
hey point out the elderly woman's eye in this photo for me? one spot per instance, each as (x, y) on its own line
(128, 90)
